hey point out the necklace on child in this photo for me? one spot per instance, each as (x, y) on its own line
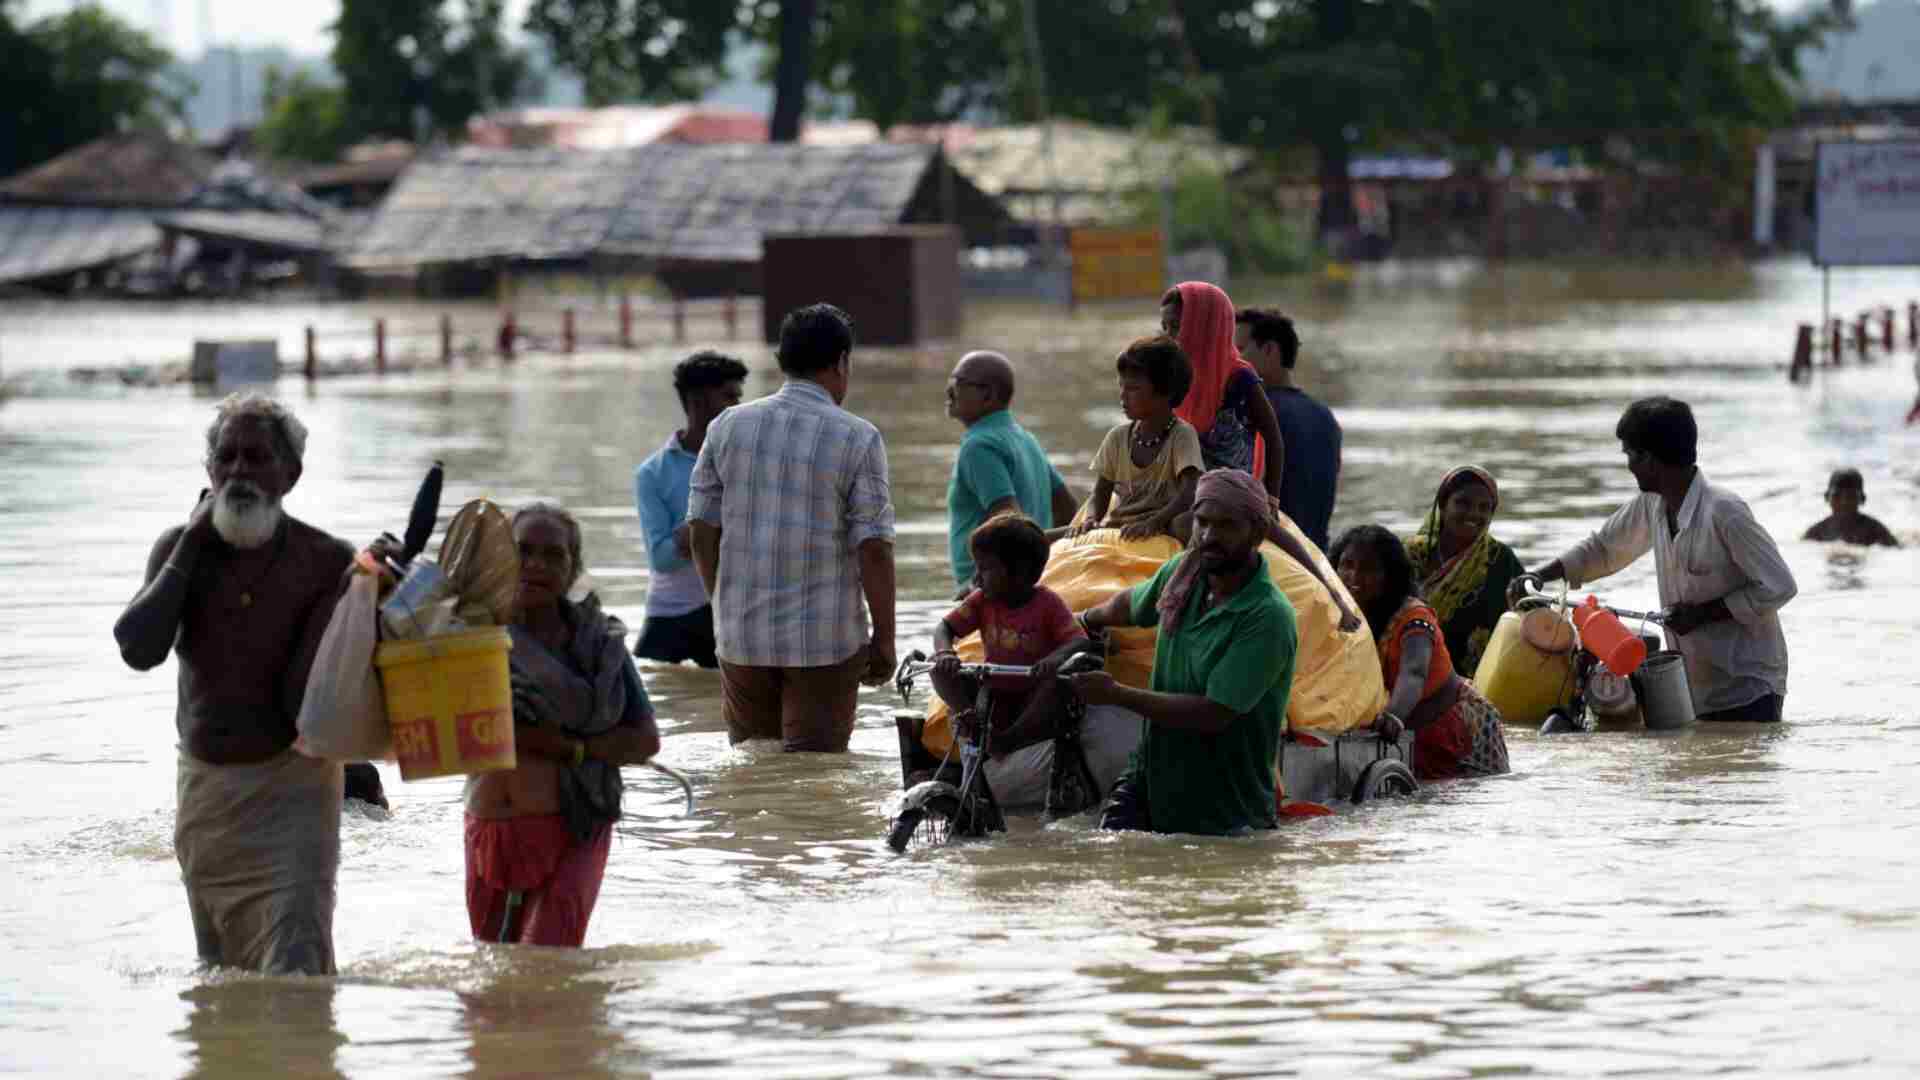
(1146, 442)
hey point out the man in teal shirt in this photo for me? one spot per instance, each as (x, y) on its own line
(1222, 670)
(1001, 467)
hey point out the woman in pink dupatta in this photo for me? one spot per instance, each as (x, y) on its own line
(1227, 403)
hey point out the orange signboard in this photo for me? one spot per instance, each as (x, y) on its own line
(1117, 264)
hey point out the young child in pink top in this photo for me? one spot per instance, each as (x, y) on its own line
(1020, 622)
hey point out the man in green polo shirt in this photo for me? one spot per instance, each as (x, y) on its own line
(1001, 467)
(1222, 670)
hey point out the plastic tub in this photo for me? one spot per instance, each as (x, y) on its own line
(449, 702)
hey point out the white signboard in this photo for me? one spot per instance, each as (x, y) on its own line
(1867, 204)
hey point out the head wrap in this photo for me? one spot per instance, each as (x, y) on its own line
(1240, 494)
(1449, 585)
(1206, 336)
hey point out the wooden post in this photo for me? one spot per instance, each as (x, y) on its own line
(626, 322)
(731, 312)
(1886, 328)
(1913, 325)
(380, 346)
(679, 320)
(508, 331)
(566, 330)
(1802, 365)
(1860, 336)
(446, 339)
(313, 354)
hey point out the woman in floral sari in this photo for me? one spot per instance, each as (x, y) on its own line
(1463, 571)
(1456, 732)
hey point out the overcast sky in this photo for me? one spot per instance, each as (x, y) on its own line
(185, 25)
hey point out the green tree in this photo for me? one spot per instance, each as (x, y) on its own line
(414, 68)
(673, 50)
(306, 119)
(71, 78)
(640, 50)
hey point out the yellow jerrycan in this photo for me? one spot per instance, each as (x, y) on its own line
(1527, 668)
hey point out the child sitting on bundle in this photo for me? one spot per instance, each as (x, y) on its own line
(1154, 460)
(1846, 493)
(1020, 623)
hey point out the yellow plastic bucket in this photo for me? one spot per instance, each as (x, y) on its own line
(449, 703)
(1519, 678)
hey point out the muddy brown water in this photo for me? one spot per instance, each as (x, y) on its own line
(1724, 902)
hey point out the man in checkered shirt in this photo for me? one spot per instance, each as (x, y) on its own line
(791, 529)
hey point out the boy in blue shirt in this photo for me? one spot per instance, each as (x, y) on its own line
(679, 622)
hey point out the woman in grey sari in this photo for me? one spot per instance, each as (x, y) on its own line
(537, 836)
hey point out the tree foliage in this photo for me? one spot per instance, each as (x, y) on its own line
(306, 119)
(415, 68)
(641, 50)
(71, 78)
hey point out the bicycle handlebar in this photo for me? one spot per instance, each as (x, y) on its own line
(915, 664)
(1525, 594)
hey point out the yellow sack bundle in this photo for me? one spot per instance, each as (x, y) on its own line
(1336, 677)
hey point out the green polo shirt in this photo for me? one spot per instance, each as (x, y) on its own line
(1240, 654)
(998, 458)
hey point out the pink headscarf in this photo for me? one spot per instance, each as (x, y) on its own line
(1206, 336)
(1239, 494)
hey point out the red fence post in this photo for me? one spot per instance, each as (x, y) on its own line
(380, 346)
(1886, 329)
(731, 313)
(313, 354)
(1860, 336)
(1802, 365)
(566, 330)
(626, 322)
(508, 331)
(1834, 342)
(679, 320)
(446, 339)
(1913, 325)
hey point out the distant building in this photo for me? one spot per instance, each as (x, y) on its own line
(691, 214)
(142, 213)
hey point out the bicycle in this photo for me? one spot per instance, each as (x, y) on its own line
(958, 806)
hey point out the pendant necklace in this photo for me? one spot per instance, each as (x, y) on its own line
(1149, 442)
(279, 545)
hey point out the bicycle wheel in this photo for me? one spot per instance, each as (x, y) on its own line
(932, 824)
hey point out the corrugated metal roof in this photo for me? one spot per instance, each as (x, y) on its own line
(140, 169)
(665, 201)
(256, 227)
(46, 241)
(1097, 171)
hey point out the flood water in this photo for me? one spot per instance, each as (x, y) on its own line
(1733, 901)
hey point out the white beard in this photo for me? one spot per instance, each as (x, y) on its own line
(246, 523)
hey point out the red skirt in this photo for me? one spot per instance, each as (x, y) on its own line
(558, 878)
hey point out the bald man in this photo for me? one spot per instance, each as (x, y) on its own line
(1001, 467)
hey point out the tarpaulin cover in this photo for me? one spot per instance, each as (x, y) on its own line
(1336, 676)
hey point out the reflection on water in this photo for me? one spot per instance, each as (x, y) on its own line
(1684, 904)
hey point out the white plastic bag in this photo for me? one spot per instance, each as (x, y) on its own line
(344, 714)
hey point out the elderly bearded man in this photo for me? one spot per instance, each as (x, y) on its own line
(1222, 671)
(242, 593)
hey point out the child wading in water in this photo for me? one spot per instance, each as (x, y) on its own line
(1020, 622)
(1846, 492)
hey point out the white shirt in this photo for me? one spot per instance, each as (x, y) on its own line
(1718, 553)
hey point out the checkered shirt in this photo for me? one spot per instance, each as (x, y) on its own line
(795, 483)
